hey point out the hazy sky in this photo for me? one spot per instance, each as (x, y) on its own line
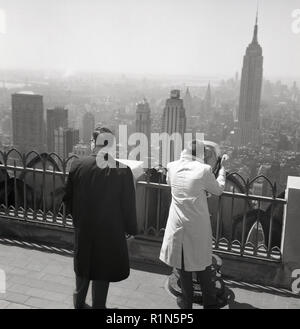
(199, 37)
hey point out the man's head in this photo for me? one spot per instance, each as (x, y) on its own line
(211, 153)
(101, 138)
(205, 151)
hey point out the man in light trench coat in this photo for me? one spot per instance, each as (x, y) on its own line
(187, 243)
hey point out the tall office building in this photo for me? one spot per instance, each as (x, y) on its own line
(207, 102)
(295, 93)
(143, 118)
(64, 141)
(188, 103)
(188, 106)
(56, 118)
(250, 94)
(143, 124)
(174, 118)
(88, 126)
(28, 122)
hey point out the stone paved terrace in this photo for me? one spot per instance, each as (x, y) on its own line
(38, 279)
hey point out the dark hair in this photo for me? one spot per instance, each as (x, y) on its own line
(101, 130)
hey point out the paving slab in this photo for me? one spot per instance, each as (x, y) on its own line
(36, 279)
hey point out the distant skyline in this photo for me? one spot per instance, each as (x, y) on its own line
(158, 37)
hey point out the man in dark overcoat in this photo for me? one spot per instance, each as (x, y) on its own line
(100, 196)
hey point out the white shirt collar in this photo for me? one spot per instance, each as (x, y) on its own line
(186, 155)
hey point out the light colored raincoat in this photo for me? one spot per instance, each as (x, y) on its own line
(189, 227)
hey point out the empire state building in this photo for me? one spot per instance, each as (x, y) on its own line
(250, 94)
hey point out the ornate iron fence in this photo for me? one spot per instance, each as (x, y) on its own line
(32, 187)
(245, 224)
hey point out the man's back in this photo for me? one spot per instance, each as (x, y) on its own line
(188, 226)
(187, 178)
(102, 204)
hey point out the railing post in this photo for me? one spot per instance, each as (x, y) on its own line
(291, 228)
(158, 200)
(245, 219)
(218, 222)
(231, 217)
(140, 206)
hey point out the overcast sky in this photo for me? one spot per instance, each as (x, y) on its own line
(199, 37)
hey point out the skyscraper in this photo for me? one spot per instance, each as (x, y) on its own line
(64, 141)
(188, 103)
(56, 118)
(143, 124)
(250, 94)
(207, 100)
(88, 126)
(143, 118)
(174, 118)
(295, 93)
(28, 122)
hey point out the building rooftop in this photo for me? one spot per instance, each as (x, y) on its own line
(25, 93)
(38, 279)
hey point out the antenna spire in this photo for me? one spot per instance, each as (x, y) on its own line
(257, 8)
(255, 27)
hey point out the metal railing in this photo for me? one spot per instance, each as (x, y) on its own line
(32, 187)
(243, 224)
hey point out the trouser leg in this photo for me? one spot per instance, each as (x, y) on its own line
(208, 288)
(82, 286)
(186, 281)
(99, 294)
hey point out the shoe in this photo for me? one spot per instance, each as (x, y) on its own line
(221, 302)
(182, 305)
(85, 306)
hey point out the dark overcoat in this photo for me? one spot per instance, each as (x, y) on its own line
(102, 204)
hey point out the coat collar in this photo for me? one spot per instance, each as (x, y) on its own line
(187, 156)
